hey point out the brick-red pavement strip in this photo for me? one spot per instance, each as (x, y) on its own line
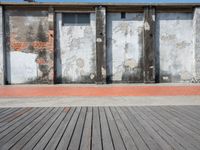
(27, 91)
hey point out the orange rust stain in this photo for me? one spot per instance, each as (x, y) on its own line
(27, 91)
(41, 61)
(66, 109)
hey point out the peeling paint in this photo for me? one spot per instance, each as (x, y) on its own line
(174, 39)
(124, 44)
(76, 59)
(146, 26)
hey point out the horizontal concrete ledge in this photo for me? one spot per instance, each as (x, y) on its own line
(99, 101)
(90, 91)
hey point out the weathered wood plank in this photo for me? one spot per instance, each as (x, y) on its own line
(14, 115)
(77, 135)
(23, 132)
(21, 143)
(163, 144)
(8, 134)
(59, 132)
(87, 131)
(184, 118)
(117, 140)
(128, 141)
(8, 112)
(3, 109)
(107, 142)
(17, 120)
(96, 130)
(64, 142)
(133, 132)
(152, 144)
(172, 130)
(37, 137)
(146, 128)
(47, 136)
(169, 139)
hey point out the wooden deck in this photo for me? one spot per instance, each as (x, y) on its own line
(97, 128)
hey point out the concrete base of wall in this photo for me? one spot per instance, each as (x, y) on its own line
(99, 101)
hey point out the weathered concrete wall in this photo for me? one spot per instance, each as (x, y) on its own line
(197, 44)
(76, 51)
(29, 47)
(124, 47)
(174, 39)
(1, 48)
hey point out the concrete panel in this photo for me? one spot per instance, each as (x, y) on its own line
(124, 47)
(174, 39)
(76, 51)
(23, 67)
(1, 48)
(29, 42)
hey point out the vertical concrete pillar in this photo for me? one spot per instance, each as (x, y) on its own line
(149, 45)
(196, 22)
(101, 44)
(1, 48)
(51, 45)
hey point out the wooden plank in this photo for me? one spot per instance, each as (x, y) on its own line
(117, 140)
(128, 141)
(87, 131)
(152, 122)
(77, 135)
(163, 144)
(187, 113)
(64, 142)
(22, 133)
(171, 130)
(178, 120)
(194, 109)
(60, 131)
(152, 144)
(47, 136)
(2, 109)
(107, 142)
(37, 137)
(8, 112)
(20, 144)
(188, 129)
(17, 120)
(149, 45)
(96, 130)
(180, 128)
(133, 132)
(15, 123)
(14, 115)
(8, 134)
(182, 117)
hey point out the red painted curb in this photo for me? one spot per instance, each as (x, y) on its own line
(100, 91)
